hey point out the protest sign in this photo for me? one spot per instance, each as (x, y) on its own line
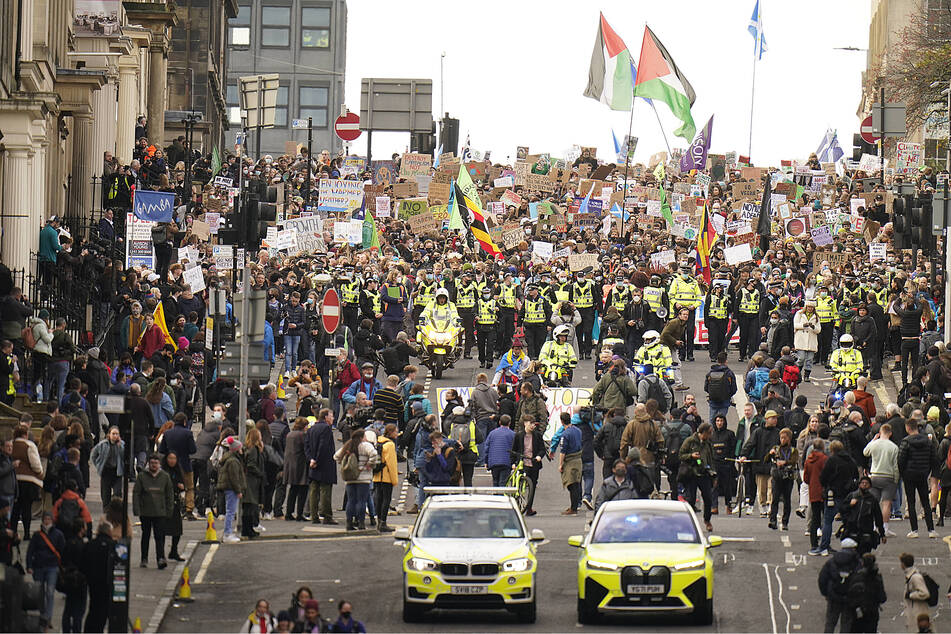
(201, 229)
(439, 193)
(439, 212)
(382, 206)
(286, 240)
(414, 164)
(871, 229)
(835, 260)
(737, 227)
(194, 278)
(423, 223)
(561, 253)
(538, 182)
(505, 181)
(511, 198)
(411, 207)
(349, 231)
(338, 195)
(542, 250)
(581, 261)
(496, 208)
(384, 172)
(405, 190)
(512, 236)
(352, 165)
(223, 255)
(908, 157)
(821, 236)
(214, 221)
(223, 181)
(877, 251)
(870, 163)
(422, 183)
(662, 259)
(749, 211)
(795, 227)
(744, 191)
(738, 254)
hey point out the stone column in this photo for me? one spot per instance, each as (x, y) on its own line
(26, 31)
(79, 188)
(39, 212)
(19, 237)
(104, 124)
(128, 108)
(158, 67)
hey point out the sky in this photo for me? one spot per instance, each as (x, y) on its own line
(515, 71)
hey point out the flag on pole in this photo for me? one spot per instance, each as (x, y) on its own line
(477, 226)
(583, 208)
(705, 240)
(665, 207)
(455, 218)
(436, 160)
(829, 149)
(659, 78)
(158, 315)
(756, 30)
(696, 156)
(610, 76)
(466, 151)
(215, 162)
(371, 237)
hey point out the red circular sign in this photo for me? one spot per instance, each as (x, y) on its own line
(347, 126)
(866, 131)
(330, 315)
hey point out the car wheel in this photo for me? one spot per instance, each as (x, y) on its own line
(586, 614)
(703, 612)
(412, 613)
(526, 613)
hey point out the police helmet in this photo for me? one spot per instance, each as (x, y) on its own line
(651, 336)
(845, 341)
(442, 293)
(562, 331)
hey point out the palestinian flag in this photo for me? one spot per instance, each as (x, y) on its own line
(477, 224)
(658, 77)
(610, 78)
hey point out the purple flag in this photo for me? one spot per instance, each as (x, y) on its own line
(696, 156)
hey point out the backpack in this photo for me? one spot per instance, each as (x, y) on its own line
(791, 375)
(70, 516)
(760, 379)
(840, 433)
(628, 398)
(718, 386)
(673, 439)
(380, 464)
(607, 444)
(932, 588)
(29, 339)
(350, 467)
(460, 433)
(254, 411)
(51, 481)
(656, 392)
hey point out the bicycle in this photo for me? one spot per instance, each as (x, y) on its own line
(741, 486)
(522, 484)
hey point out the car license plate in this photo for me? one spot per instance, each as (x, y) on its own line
(439, 351)
(633, 588)
(469, 589)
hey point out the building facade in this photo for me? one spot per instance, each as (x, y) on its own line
(305, 42)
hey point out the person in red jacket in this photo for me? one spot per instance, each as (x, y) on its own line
(153, 339)
(815, 461)
(863, 399)
(347, 373)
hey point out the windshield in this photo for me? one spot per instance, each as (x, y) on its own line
(478, 523)
(641, 526)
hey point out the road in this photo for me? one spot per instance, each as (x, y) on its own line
(764, 580)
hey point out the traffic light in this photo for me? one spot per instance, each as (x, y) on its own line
(860, 147)
(260, 212)
(424, 142)
(899, 222)
(449, 134)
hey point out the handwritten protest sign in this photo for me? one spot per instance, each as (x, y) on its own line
(744, 191)
(201, 229)
(661, 259)
(877, 251)
(405, 190)
(542, 250)
(439, 193)
(338, 195)
(423, 223)
(835, 260)
(581, 261)
(908, 157)
(511, 198)
(414, 164)
(870, 163)
(382, 206)
(411, 207)
(223, 255)
(738, 254)
(194, 278)
(821, 236)
(505, 181)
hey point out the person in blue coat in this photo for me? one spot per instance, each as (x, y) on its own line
(498, 451)
(367, 384)
(268, 343)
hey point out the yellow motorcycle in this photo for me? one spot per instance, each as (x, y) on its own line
(439, 344)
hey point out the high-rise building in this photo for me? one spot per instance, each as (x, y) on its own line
(305, 42)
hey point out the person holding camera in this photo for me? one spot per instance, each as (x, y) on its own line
(697, 470)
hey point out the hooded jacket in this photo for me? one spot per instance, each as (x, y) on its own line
(917, 455)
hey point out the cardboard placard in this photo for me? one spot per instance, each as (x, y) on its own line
(835, 260)
(439, 193)
(511, 198)
(871, 229)
(405, 190)
(413, 164)
(201, 229)
(753, 173)
(423, 223)
(744, 191)
(581, 261)
(538, 183)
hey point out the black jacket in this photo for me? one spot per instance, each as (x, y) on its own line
(842, 563)
(607, 442)
(839, 474)
(758, 445)
(865, 332)
(538, 447)
(294, 315)
(917, 455)
(910, 320)
(724, 445)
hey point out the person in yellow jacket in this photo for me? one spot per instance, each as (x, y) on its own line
(846, 363)
(684, 292)
(385, 476)
(827, 310)
(558, 354)
(654, 353)
(440, 310)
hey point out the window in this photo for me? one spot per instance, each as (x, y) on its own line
(280, 111)
(239, 29)
(275, 26)
(233, 102)
(313, 103)
(315, 27)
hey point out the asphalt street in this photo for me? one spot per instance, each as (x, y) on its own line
(764, 580)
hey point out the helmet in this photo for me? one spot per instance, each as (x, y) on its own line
(651, 336)
(845, 341)
(442, 293)
(562, 330)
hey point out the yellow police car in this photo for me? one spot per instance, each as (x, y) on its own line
(469, 549)
(645, 556)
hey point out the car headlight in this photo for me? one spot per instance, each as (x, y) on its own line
(601, 565)
(419, 563)
(519, 564)
(691, 565)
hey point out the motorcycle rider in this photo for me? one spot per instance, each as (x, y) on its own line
(556, 354)
(439, 311)
(654, 353)
(846, 362)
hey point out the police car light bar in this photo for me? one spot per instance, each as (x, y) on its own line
(470, 490)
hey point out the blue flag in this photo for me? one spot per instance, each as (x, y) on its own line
(756, 30)
(153, 206)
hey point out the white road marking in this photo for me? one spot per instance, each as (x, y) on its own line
(779, 583)
(785, 540)
(738, 539)
(769, 589)
(205, 563)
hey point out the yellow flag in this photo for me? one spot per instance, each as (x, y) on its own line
(159, 316)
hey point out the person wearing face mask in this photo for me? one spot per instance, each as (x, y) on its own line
(617, 486)
(827, 309)
(747, 310)
(466, 294)
(684, 292)
(716, 307)
(508, 297)
(535, 315)
(635, 318)
(655, 296)
(619, 296)
(586, 296)
(423, 293)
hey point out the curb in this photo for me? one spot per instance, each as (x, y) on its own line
(169, 594)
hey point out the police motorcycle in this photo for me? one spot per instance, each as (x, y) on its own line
(558, 358)
(438, 335)
(846, 365)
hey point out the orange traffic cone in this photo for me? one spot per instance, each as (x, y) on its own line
(184, 593)
(137, 626)
(210, 534)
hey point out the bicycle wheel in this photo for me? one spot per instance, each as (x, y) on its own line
(525, 489)
(740, 494)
